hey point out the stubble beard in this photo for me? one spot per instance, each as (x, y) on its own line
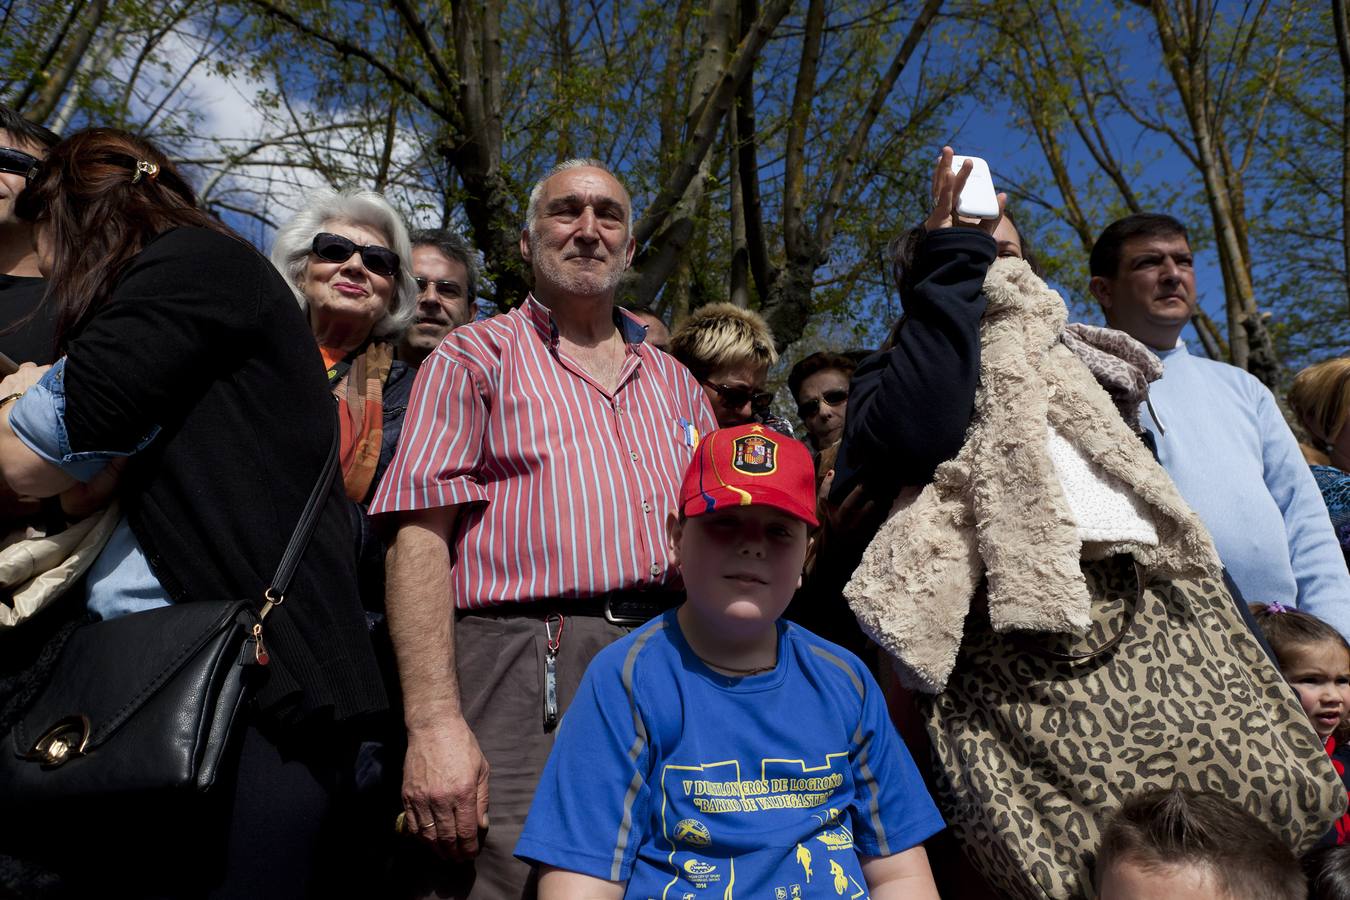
(569, 280)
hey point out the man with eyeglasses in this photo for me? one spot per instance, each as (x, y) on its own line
(819, 386)
(26, 327)
(445, 267)
(542, 453)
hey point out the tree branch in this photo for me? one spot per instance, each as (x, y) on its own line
(348, 48)
(844, 168)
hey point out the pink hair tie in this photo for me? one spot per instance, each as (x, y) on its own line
(1276, 607)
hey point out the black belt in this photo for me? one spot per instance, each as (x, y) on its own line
(617, 607)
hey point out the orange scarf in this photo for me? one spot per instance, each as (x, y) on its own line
(359, 391)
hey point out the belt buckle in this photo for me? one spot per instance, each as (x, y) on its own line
(617, 618)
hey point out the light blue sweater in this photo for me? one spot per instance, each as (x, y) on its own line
(1236, 463)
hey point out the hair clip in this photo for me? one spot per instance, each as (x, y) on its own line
(145, 167)
(1276, 607)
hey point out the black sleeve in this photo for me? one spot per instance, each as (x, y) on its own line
(909, 406)
(179, 316)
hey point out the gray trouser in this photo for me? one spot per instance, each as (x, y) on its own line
(500, 659)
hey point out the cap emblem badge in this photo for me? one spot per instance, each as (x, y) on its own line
(754, 454)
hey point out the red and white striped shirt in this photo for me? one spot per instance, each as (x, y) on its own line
(567, 486)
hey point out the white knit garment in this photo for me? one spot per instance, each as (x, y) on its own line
(1105, 511)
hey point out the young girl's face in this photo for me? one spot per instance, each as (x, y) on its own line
(1321, 674)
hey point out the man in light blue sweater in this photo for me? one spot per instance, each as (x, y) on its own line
(1219, 432)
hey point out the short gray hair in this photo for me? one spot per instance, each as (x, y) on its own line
(290, 248)
(453, 246)
(537, 192)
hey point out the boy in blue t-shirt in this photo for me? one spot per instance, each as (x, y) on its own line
(718, 752)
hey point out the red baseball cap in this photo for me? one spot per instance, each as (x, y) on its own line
(750, 465)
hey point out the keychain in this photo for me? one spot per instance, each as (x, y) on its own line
(551, 669)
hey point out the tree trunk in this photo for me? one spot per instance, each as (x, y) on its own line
(54, 47)
(1187, 61)
(738, 279)
(746, 162)
(562, 69)
(667, 246)
(491, 202)
(1342, 20)
(707, 124)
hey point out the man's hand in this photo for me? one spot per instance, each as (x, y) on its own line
(445, 789)
(946, 193)
(445, 777)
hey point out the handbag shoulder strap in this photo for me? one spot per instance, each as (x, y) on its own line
(304, 530)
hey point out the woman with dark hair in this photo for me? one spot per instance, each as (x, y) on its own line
(189, 387)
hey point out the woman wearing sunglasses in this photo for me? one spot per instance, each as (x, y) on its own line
(25, 322)
(188, 387)
(344, 254)
(729, 350)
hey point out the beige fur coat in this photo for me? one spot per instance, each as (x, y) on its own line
(998, 508)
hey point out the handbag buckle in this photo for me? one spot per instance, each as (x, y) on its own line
(64, 741)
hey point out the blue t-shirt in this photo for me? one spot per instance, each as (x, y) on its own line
(687, 783)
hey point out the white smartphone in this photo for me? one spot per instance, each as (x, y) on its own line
(978, 200)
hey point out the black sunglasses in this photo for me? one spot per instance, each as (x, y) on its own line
(736, 397)
(16, 162)
(444, 288)
(808, 408)
(337, 249)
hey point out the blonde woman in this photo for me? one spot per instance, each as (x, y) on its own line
(729, 350)
(1320, 398)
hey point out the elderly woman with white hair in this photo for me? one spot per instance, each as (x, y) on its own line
(346, 255)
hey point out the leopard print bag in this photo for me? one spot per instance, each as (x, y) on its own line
(1038, 737)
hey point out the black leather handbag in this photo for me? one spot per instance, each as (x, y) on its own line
(149, 702)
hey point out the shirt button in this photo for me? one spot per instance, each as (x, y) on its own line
(655, 570)
(633, 455)
(646, 507)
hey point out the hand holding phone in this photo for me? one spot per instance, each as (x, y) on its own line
(951, 176)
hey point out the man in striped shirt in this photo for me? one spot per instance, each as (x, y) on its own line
(541, 453)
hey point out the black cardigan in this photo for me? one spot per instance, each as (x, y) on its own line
(203, 339)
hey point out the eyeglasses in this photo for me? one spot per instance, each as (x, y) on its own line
(444, 288)
(337, 249)
(16, 162)
(808, 408)
(735, 397)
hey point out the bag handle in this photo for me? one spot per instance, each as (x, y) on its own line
(1125, 626)
(304, 530)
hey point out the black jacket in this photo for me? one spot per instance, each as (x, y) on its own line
(908, 407)
(203, 340)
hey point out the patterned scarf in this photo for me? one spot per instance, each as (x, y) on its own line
(358, 386)
(1122, 366)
